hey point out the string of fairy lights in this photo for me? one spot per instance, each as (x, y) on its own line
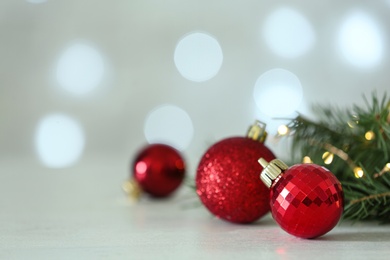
(332, 151)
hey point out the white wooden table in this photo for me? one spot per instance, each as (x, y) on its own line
(81, 213)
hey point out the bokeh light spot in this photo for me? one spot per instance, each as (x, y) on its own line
(278, 92)
(360, 40)
(198, 57)
(59, 141)
(288, 33)
(80, 69)
(170, 125)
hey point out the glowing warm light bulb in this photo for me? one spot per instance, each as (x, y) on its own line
(327, 157)
(307, 159)
(359, 173)
(385, 169)
(369, 135)
(283, 130)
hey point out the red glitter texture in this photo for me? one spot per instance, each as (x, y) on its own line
(159, 169)
(307, 200)
(227, 180)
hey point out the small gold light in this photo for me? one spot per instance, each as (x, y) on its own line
(351, 124)
(327, 157)
(307, 159)
(369, 135)
(359, 173)
(283, 130)
(385, 169)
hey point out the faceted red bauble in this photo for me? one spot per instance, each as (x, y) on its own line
(227, 180)
(158, 169)
(307, 200)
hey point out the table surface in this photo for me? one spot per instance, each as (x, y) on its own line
(81, 213)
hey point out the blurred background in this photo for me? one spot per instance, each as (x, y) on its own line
(85, 84)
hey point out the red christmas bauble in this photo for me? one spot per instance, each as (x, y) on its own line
(306, 200)
(227, 180)
(158, 169)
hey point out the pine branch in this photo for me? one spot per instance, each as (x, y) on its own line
(369, 199)
(355, 145)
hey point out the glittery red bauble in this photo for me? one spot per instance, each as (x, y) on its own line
(227, 180)
(307, 200)
(159, 169)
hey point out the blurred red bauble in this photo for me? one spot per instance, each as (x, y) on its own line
(227, 180)
(306, 199)
(158, 169)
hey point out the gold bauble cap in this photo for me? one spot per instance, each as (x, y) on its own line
(257, 131)
(271, 170)
(132, 189)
